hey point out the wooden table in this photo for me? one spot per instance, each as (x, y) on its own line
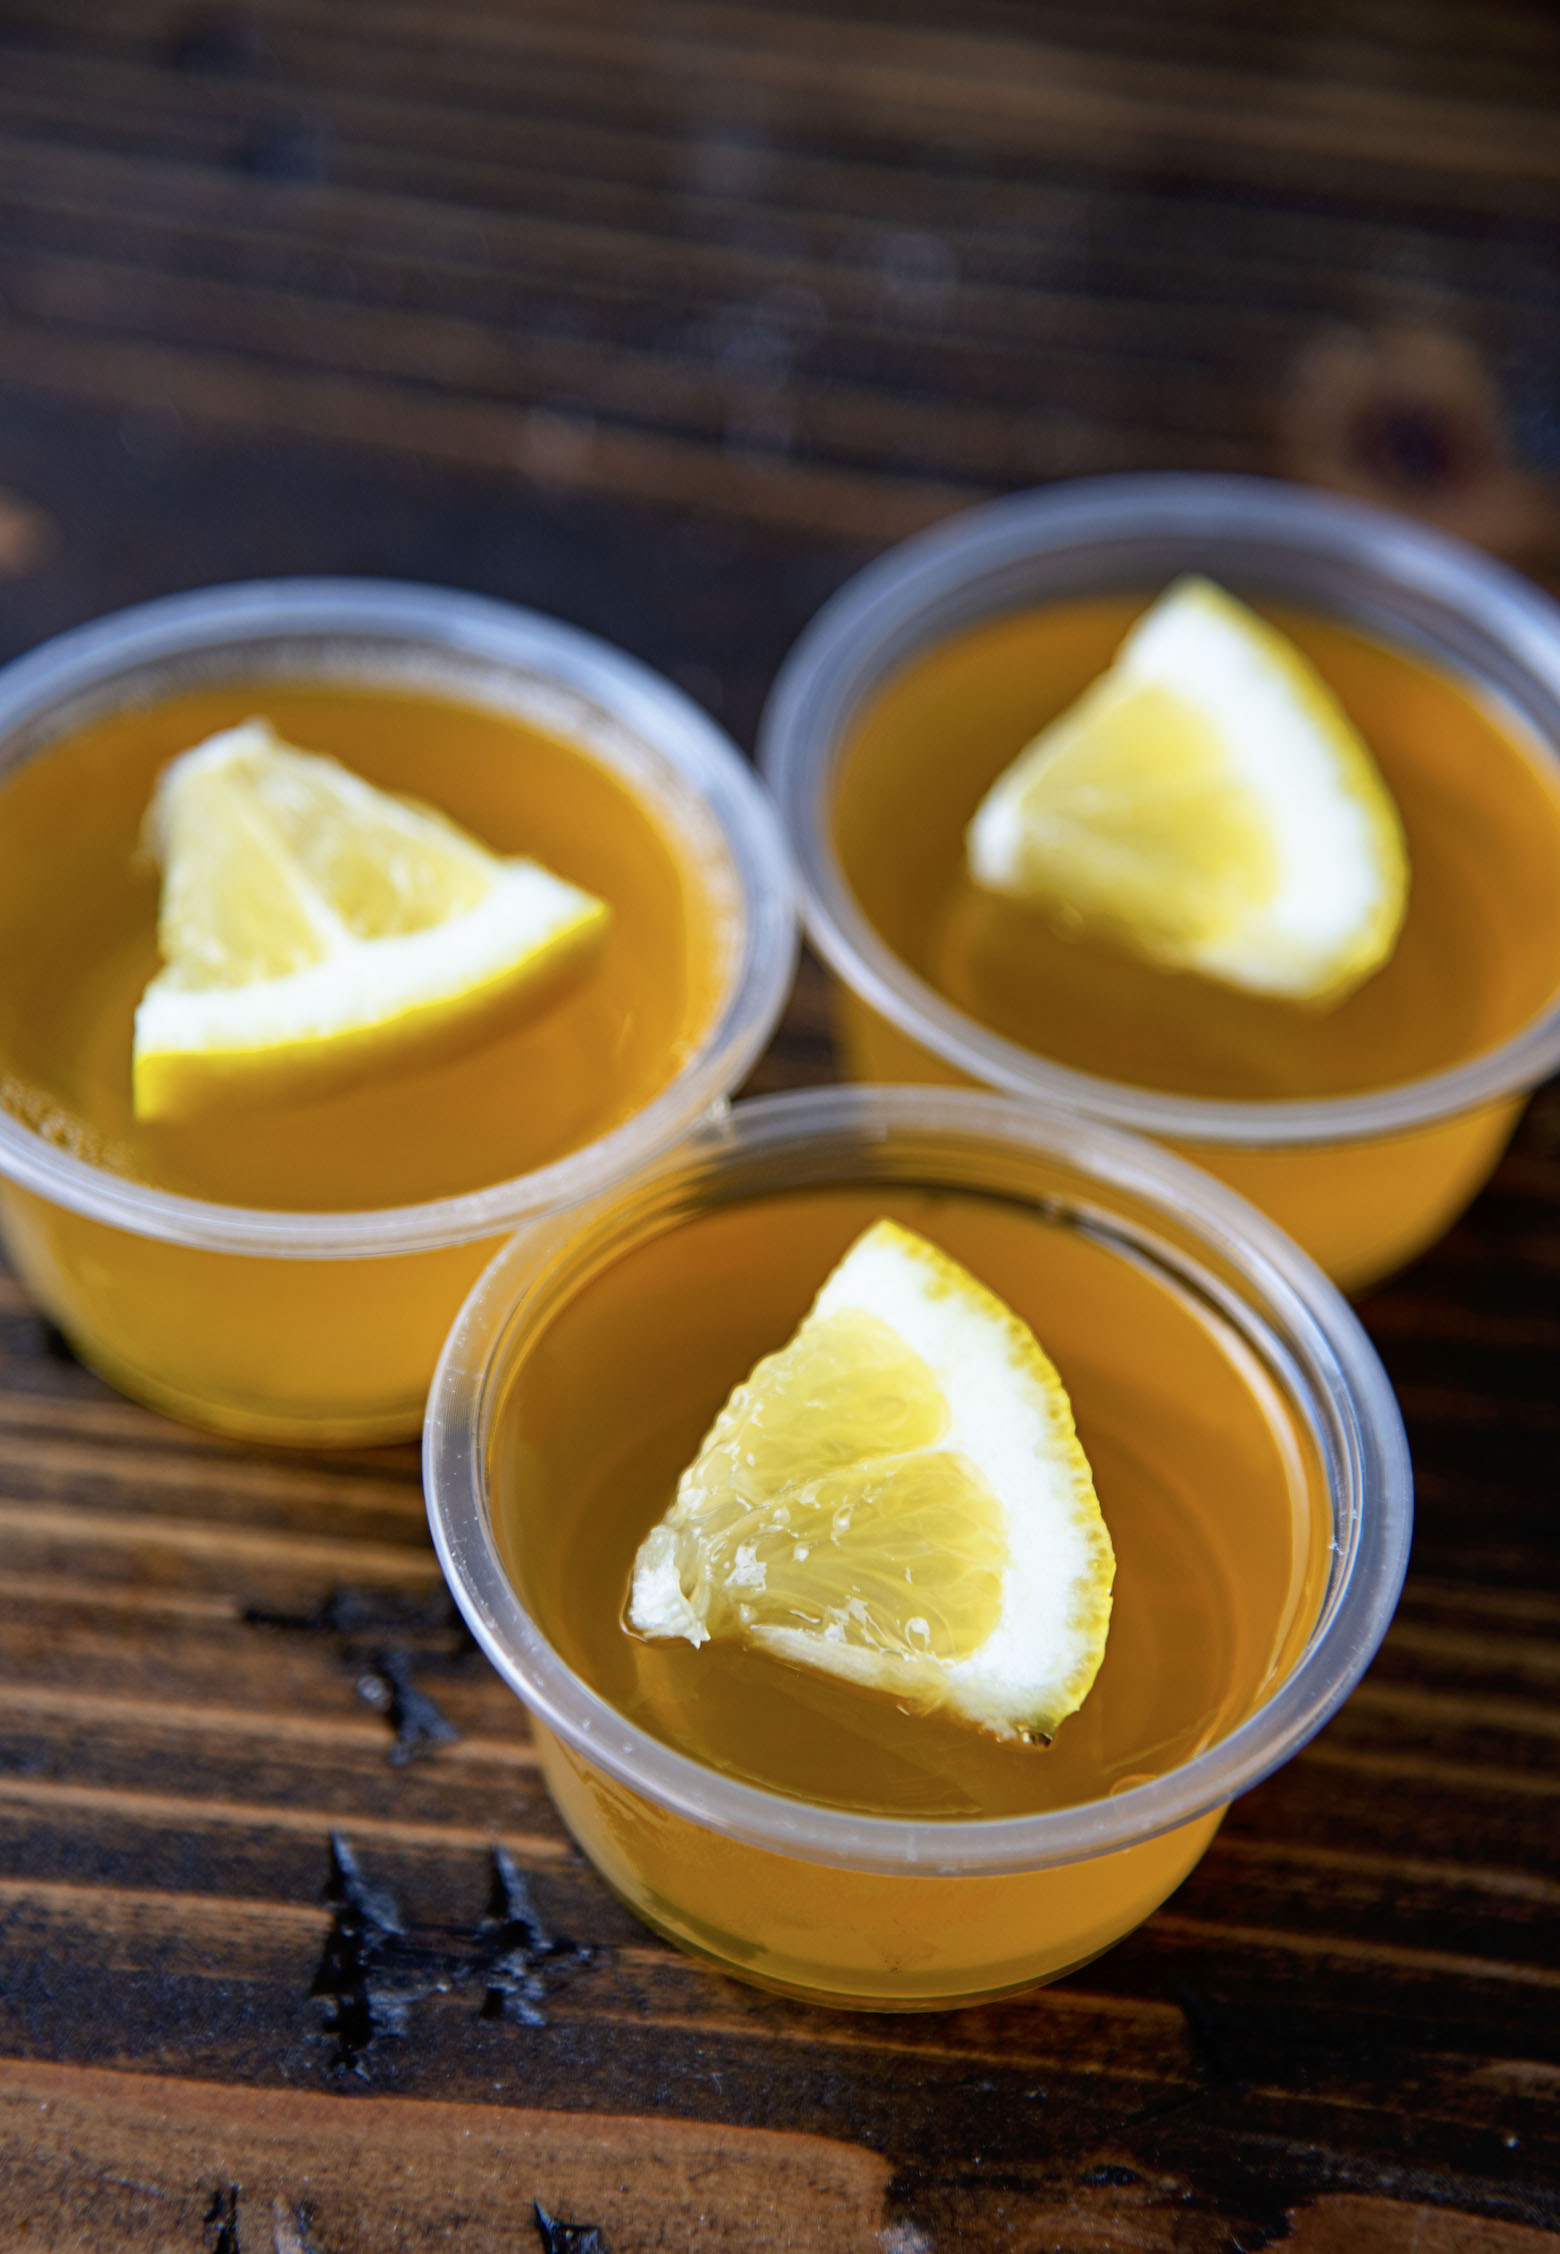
(662, 320)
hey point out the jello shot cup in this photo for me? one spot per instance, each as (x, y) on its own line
(1363, 1127)
(288, 1270)
(811, 1835)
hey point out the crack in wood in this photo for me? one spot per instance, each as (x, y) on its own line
(373, 1971)
(289, 2224)
(516, 1954)
(222, 2217)
(366, 1972)
(418, 1722)
(385, 1636)
(568, 2238)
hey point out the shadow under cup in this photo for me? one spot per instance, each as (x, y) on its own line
(1363, 1181)
(809, 1895)
(323, 1327)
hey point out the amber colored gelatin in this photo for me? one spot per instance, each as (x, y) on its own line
(1360, 1208)
(1475, 963)
(318, 1349)
(1208, 1482)
(864, 1940)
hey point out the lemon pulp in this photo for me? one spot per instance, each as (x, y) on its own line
(896, 1497)
(1208, 805)
(316, 931)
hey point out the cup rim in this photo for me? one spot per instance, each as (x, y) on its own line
(448, 621)
(1368, 1452)
(870, 627)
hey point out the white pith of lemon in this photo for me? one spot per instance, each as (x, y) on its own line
(315, 930)
(898, 1498)
(1209, 804)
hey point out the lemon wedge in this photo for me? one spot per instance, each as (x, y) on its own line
(1208, 804)
(898, 1498)
(316, 931)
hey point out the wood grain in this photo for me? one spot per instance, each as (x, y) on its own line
(661, 321)
(822, 273)
(368, 2175)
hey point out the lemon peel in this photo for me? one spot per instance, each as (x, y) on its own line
(1208, 804)
(316, 931)
(896, 1498)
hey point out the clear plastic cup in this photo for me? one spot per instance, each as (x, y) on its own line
(868, 1910)
(321, 1327)
(1362, 1181)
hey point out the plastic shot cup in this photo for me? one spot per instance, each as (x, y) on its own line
(323, 1327)
(1362, 1180)
(821, 1900)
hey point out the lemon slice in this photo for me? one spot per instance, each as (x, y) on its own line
(897, 1497)
(1208, 804)
(315, 930)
